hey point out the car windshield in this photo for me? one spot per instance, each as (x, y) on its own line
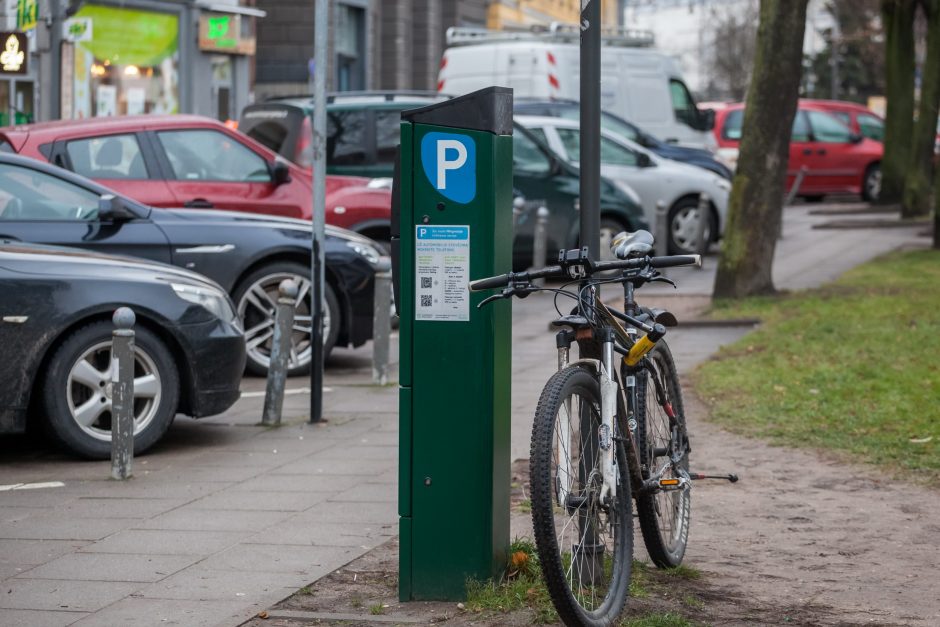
(608, 123)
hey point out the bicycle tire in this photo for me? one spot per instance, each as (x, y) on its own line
(664, 516)
(583, 592)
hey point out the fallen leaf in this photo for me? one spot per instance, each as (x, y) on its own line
(519, 560)
(921, 440)
(262, 614)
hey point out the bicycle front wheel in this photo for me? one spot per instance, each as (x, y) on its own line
(663, 442)
(585, 546)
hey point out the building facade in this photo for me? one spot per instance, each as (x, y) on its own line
(523, 14)
(103, 57)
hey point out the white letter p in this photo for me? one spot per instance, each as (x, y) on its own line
(443, 165)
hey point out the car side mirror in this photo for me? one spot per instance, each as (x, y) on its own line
(707, 117)
(280, 172)
(856, 138)
(643, 160)
(111, 208)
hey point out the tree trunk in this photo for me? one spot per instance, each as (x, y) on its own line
(898, 19)
(917, 182)
(754, 209)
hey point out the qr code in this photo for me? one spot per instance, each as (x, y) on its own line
(425, 282)
(425, 300)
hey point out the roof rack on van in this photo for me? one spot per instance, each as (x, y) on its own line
(388, 95)
(556, 32)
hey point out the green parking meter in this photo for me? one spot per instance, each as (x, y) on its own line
(454, 200)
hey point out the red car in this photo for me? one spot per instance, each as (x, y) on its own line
(859, 118)
(837, 161)
(193, 161)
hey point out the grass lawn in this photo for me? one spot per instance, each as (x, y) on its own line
(852, 367)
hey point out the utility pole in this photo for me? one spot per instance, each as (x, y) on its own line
(321, 67)
(591, 126)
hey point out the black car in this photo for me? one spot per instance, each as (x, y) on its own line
(571, 110)
(55, 329)
(248, 255)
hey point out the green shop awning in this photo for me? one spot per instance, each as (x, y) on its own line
(130, 36)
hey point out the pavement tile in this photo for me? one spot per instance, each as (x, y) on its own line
(386, 492)
(45, 497)
(297, 483)
(264, 501)
(114, 507)
(36, 551)
(149, 486)
(51, 594)
(309, 533)
(347, 467)
(10, 514)
(353, 450)
(39, 618)
(199, 583)
(351, 512)
(139, 612)
(279, 558)
(46, 527)
(260, 459)
(207, 474)
(110, 567)
(190, 518)
(166, 542)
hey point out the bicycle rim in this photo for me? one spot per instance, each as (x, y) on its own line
(585, 547)
(664, 516)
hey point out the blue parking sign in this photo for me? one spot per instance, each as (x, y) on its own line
(450, 163)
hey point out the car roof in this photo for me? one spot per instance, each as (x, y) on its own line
(542, 120)
(837, 105)
(111, 124)
(304, 101)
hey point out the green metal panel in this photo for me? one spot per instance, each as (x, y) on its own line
(459, 467)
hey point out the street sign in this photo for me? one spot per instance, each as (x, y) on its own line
(77, 29)
(14, 53)
(27, 14)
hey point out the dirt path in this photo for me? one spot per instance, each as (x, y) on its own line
(806, 532)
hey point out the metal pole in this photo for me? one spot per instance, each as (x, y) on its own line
(540, 243)
(122, 393)
(321, 67)
(662, 229)
(591, 126)
(381, 324)
(704, 214)
(280, 353)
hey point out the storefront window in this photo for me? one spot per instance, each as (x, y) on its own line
(130, 64)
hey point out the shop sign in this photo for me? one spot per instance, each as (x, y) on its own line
(77, 29)
(222, 32)
(14, 52)
(27, 14)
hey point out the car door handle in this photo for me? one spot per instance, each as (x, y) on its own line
(198, 203)
(821, 151)
(807, 151)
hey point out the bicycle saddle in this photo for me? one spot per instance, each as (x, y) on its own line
(625, 245)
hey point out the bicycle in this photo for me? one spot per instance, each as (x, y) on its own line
(605, 433)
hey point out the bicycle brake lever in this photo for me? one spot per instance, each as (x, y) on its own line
(506, 293)
(662, 279)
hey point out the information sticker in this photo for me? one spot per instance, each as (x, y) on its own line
(442, 272)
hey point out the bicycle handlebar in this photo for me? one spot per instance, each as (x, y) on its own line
(598, 266)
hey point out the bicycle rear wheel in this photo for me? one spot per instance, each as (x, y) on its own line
(585, 546)
(664, 516)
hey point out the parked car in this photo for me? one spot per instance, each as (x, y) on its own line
(571, 110)
(537, 173)
(641, 83)
(195, 162)
(836, 160)
(248, 255)
(653, 178)
(859, 118)
(56, 333)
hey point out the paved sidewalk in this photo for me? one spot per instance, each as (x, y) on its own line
(226, 517)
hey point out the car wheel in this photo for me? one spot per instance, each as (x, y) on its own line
(255, 298)
(871, 184)
(76, 399)
(610, 228)
(683, 227)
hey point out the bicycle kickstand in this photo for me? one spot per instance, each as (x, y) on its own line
(733, 478)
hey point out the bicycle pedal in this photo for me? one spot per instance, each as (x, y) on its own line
(673, 483)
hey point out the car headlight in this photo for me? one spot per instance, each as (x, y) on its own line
(370, 252)
(212, 300)
(723, 184)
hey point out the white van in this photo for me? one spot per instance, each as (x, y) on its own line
(638, 82)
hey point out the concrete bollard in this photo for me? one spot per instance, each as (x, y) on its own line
(518, 206)
(122, 393)
(381, 323)
(540, 241)
(661, 234)
(791, 196)
(280, 353)
(701, 240)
